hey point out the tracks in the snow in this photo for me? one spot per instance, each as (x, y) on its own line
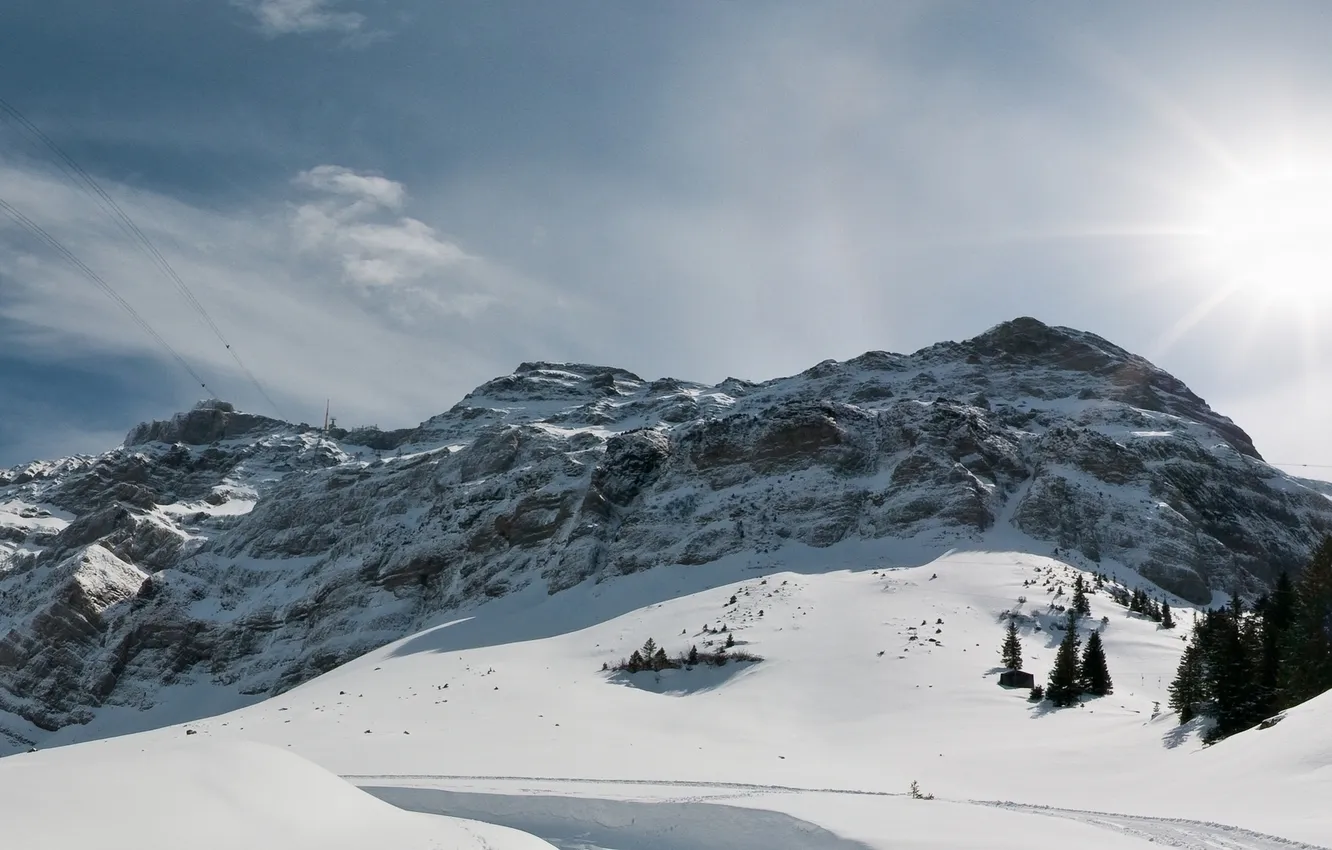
(364, 779)
(1166, 832)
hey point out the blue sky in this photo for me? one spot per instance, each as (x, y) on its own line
(388, 203)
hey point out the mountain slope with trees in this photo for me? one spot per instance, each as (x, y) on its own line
(1245, 664)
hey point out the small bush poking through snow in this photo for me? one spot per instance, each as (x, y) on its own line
(917, 794)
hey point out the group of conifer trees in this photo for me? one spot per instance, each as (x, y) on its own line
(653, 658)
(1244, 664)
(1139, 602)
(1073, 675)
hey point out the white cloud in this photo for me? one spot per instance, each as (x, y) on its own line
(350, 222)
(372, 188)
(286, 17)
(423, 324)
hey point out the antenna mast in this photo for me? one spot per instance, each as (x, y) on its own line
(327, 402)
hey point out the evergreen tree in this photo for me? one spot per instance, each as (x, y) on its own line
(660, 661)
(1080, 603)
(1152, 609)
(1011, 651)
(1235, 700)
(1167, 620)
(649, 649)
(635, 663)
(1120, 595)
(1277, 614)
(1241, 667)
(692, 658)
(1135, 603)
(730, 641)
(1063, 688)
(1309, 664)
(1188, 691)
(1094, 674)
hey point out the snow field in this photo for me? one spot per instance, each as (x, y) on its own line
(824, 708)
(211, 795)
(828, 731)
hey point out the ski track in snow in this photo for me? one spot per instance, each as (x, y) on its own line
(359, 779)
(1166, 832)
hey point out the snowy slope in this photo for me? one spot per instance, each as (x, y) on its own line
(476, 716)
(211, 796)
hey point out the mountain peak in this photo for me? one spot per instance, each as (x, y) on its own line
(1125, 377)
(545, 380)
(208, 421)
(1028, 339)
(583, 370)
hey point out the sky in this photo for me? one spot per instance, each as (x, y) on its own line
(386, 203)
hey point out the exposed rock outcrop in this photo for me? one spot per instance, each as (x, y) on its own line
(209, 422)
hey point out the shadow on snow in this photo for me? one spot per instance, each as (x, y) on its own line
(684, 681)
(533, 614)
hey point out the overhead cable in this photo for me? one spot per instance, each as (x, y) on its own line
(37, 231)
(85, 181)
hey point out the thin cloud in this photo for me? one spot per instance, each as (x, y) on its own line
(372, 188)
(350, 220)
(421, 323)
(297, 17)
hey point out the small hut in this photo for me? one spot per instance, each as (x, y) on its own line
(1017, 679)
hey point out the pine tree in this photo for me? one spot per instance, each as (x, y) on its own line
(1120, 595)
(1188, 690)
(1080, 603)
(1309, 663)
(1063, 688)
(692, 658)
(730, 640)
(1094, 673)
(660, 661)
(649, 649)
(1135, 604)
(1167, 620)
(635, 663)
(1011, 652)
(1234, 697)
(1277, 615)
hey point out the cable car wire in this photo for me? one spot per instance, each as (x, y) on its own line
(37, 231)
(85, 181)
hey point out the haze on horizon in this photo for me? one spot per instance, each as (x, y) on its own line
(390, 203)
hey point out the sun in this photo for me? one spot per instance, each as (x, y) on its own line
(1270, 238)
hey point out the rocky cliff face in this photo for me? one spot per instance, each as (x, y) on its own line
(245, 552)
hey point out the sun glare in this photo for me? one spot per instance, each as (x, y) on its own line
(1271, 238)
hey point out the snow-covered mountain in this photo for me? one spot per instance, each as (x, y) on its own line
(220, 557)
